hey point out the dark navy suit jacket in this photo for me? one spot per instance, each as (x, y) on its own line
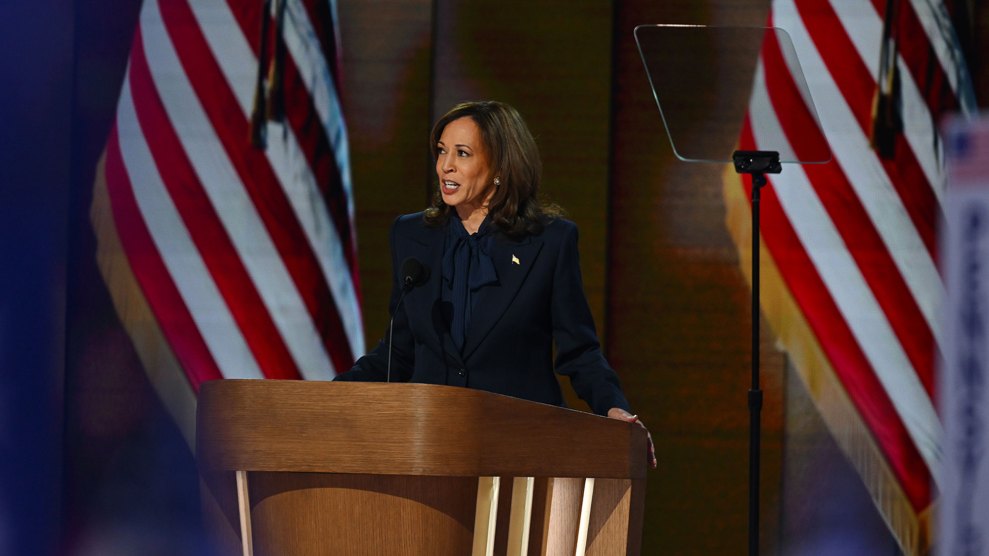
(538, 300)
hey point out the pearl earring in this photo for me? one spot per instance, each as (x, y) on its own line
(497, 182)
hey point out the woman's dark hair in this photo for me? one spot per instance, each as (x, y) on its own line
(515, 207)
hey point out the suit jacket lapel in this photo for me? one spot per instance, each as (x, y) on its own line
(512, 261)
(426, 301)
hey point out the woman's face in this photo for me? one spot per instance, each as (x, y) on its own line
(463, 167)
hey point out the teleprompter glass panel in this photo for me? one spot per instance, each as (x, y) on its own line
(708, 80)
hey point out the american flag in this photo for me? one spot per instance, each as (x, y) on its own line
(850, 273)
(223, 205)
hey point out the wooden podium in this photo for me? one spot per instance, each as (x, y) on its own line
(306, 468)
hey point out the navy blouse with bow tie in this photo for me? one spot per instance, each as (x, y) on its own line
(467, 267)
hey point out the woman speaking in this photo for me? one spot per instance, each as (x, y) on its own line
(487, 279)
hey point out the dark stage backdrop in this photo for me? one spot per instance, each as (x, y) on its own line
(108, 472)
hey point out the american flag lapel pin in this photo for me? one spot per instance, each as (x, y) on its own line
(515, 260)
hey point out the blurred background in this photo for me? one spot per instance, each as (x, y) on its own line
(96, 459)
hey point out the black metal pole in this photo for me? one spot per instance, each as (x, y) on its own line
(757, 164)
(755, 393)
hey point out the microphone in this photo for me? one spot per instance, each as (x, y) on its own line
(414, 274)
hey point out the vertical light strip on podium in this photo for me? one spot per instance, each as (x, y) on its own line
(486, 515)
(585, 516)
(521, 516)
(244, 505)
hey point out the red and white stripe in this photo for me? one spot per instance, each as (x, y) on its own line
(245, 256)
(854, 239)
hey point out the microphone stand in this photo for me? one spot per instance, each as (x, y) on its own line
(757, 164)
(413, 274)
(407, 286)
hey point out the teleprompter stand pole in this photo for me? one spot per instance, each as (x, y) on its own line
(757, 164)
